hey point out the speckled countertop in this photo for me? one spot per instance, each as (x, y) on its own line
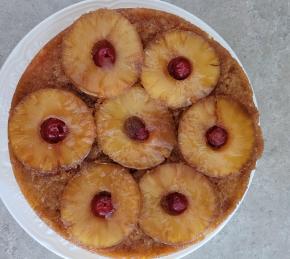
(259, 32)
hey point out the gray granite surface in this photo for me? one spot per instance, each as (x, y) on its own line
(259, 32)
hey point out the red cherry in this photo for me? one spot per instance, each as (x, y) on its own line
(216, 137)
(179, 68)
(53, 130)
(174, 203)
(101, 205)
(104, 54)
(135, 128)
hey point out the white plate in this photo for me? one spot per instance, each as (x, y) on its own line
(10, 74)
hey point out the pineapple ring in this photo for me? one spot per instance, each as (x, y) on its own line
(231, 116)
(25, 125)
(194, 221)
(83, 226)
(180, 93)
(89, 29)
(114, 141)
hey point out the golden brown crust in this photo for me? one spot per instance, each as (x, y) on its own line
(43, 193)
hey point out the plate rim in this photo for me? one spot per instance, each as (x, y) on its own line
(10, 60)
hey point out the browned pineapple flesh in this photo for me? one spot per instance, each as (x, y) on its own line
(134, 130)
(217, 136)
(102, 53)
(178, 204)
(100, 206)
(180, 67)
(51, 129)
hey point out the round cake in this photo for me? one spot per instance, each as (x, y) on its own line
(133, 133)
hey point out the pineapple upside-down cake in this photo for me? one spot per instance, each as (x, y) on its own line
(133, 134)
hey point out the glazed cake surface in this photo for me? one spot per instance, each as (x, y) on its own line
(44, 192)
